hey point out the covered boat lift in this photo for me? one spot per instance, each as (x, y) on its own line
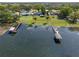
(57, 36)
(14, 29)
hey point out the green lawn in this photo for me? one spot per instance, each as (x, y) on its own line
(42, 20)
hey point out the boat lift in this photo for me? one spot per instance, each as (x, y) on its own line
(14, 29)
(57, 36)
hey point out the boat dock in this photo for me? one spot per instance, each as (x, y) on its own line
(18, 26)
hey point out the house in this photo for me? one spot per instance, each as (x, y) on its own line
(26, 13)
(55, 12)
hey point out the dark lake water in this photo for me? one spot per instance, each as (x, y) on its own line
(39, 42)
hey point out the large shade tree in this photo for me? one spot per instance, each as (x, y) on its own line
(25, 7)
(43, 9)
(39, 7)
(7, 15)
(74, 16)
(65, 11)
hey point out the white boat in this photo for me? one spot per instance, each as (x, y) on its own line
(12, 30)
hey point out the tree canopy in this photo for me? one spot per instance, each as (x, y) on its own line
(74, 16)
(65, 11)
(7, 15)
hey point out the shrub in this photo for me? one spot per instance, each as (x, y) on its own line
(30, 25)
(44, 23)
(47, 17)
(34, 18)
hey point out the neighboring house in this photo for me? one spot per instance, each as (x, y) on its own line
(26, 13)
(23, 14)
(54, 12)
(77, 20)
(70, 19)
(17, 13)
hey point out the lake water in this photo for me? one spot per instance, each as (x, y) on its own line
(39, 42)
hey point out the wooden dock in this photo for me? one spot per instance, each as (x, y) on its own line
(18, 26)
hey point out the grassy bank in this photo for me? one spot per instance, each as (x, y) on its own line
(53, 21)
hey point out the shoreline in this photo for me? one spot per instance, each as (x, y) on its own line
(54, 25)
(3, 29)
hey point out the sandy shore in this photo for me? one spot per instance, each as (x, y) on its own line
(3, 30)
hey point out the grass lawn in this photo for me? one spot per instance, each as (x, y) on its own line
(42, 21)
